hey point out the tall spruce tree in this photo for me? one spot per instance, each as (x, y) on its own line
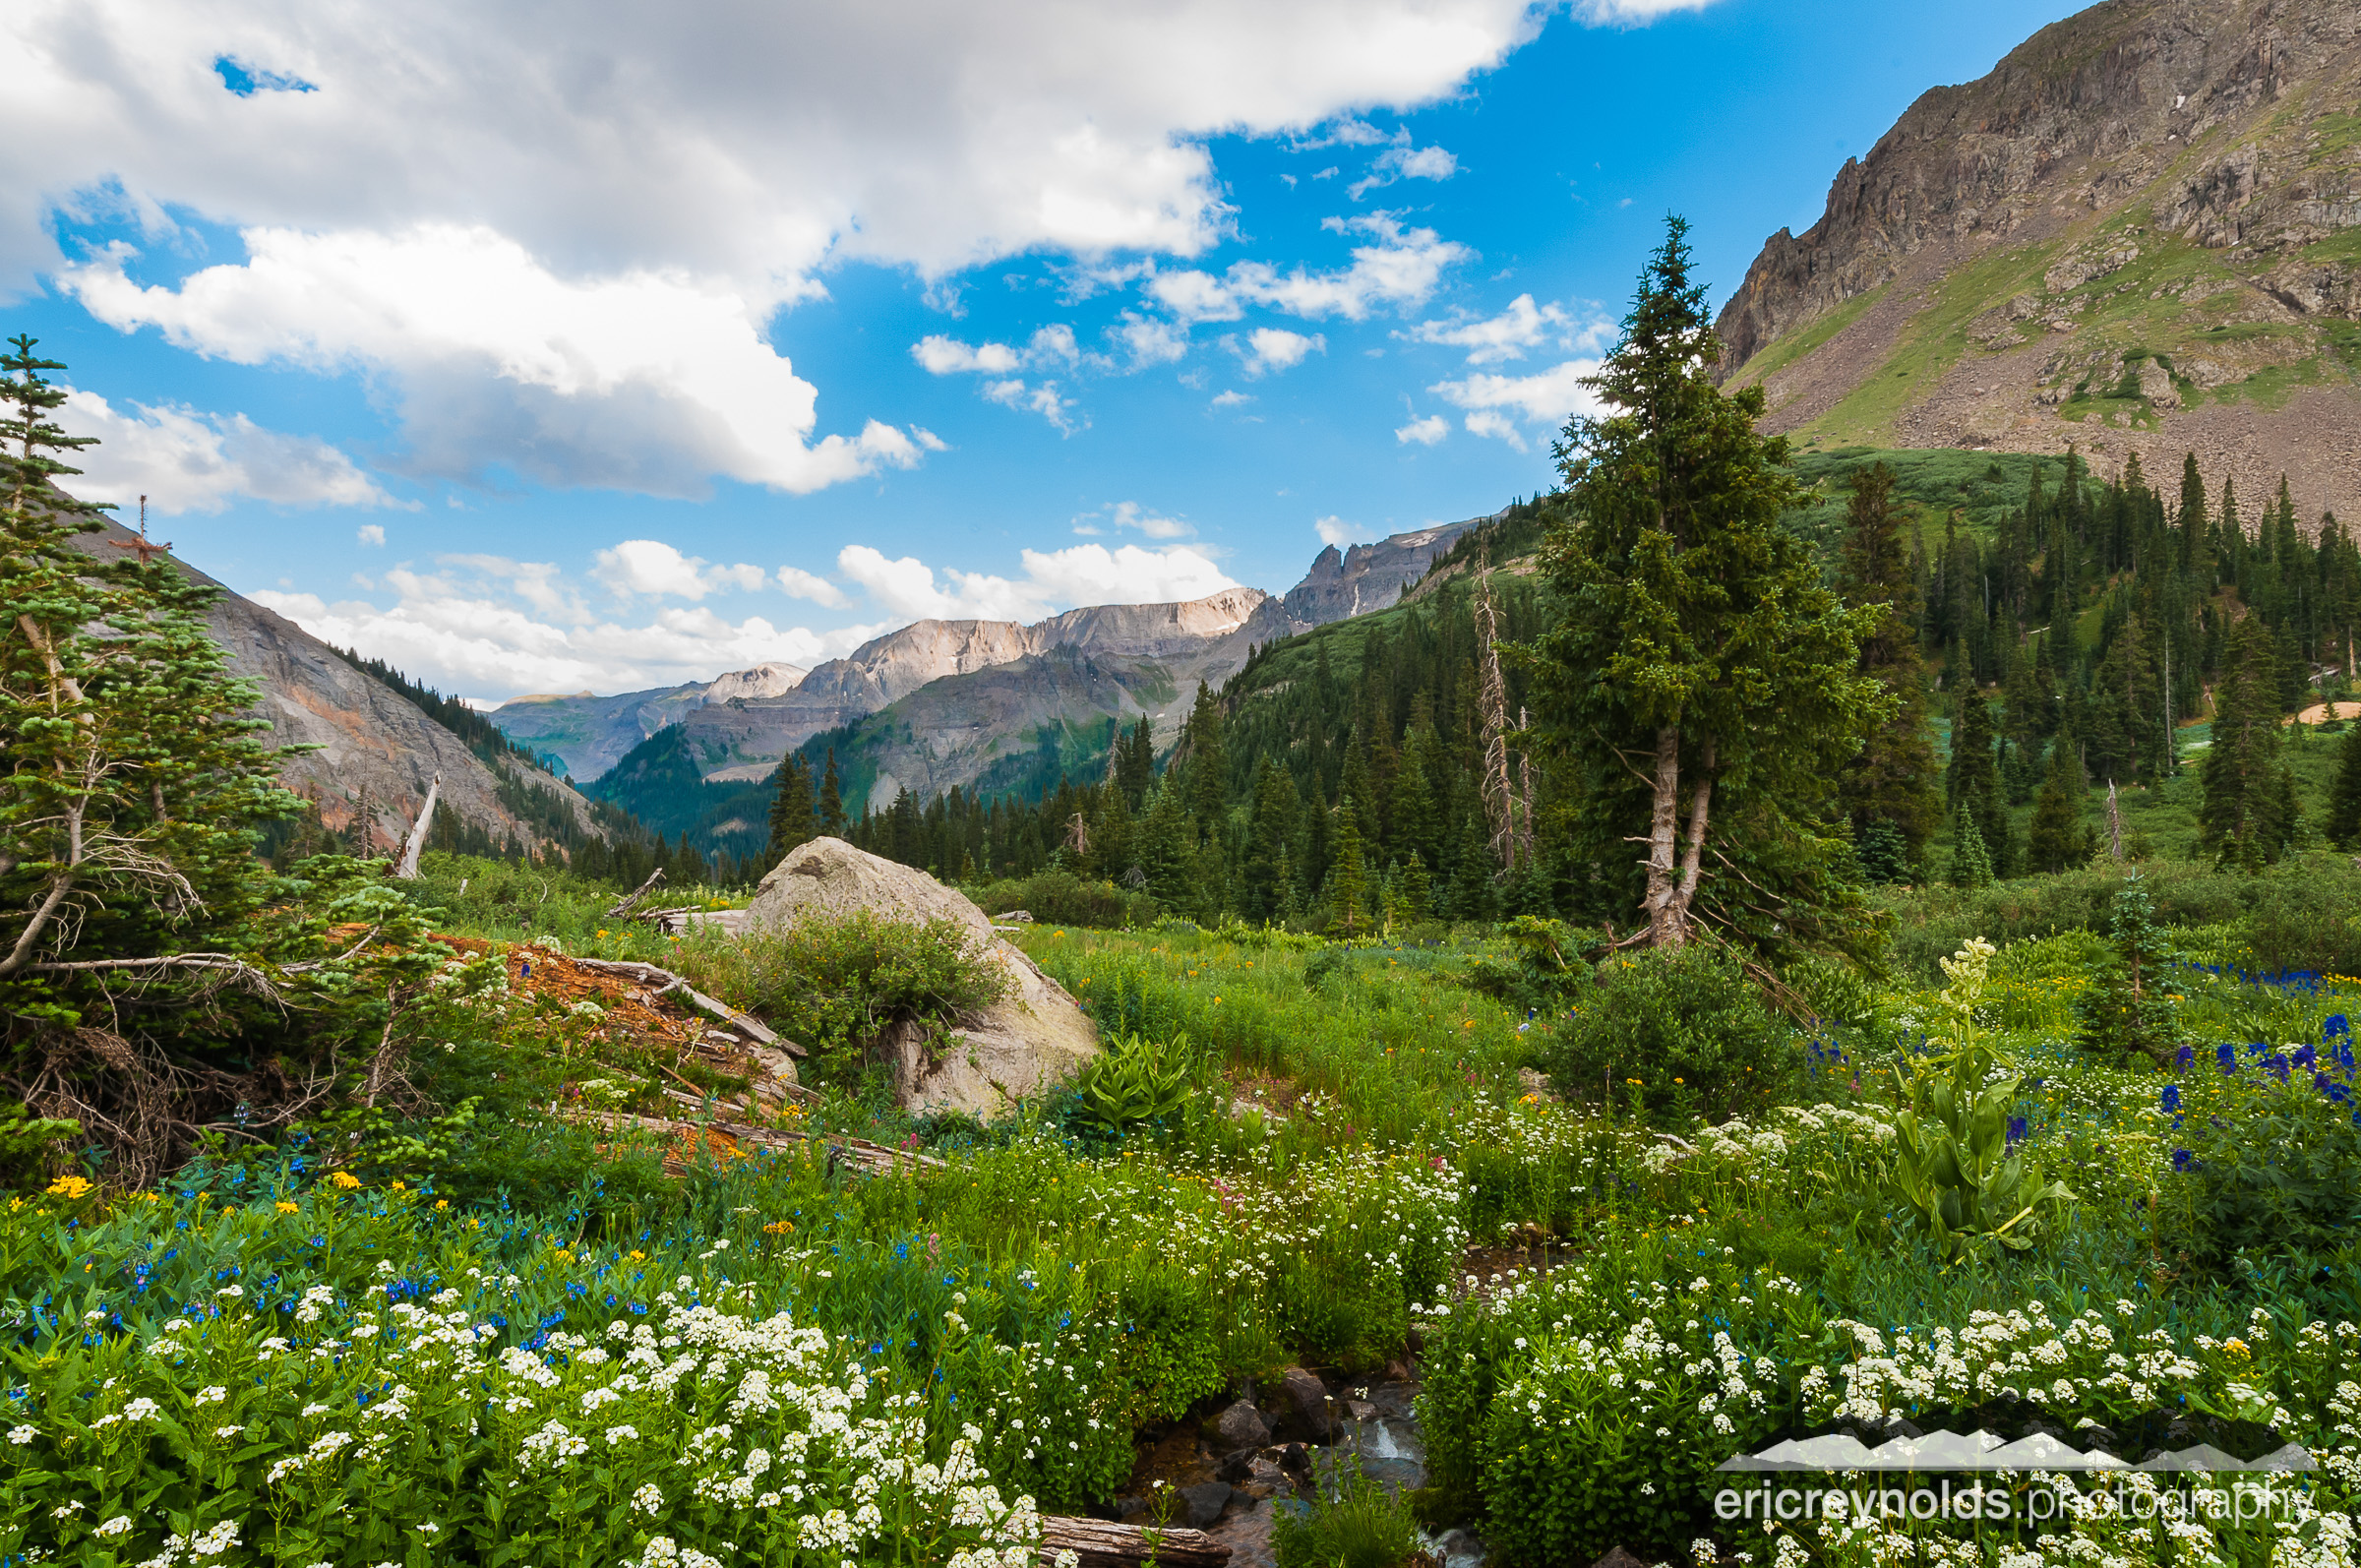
(131, 777)
(791, 810)
(1348, 876)
(832, 821)
(2059, 838)
(1689, 613)
(2247, 816)
(1893, 779)
(1972, 783)
(2344, 797)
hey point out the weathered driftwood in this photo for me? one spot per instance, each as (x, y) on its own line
(666, 982)
(1100, 1544)
(859, 1153)
(681, 922)
(623, 907)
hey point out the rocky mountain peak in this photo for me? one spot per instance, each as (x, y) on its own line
(2138, 232)
(1368, 576)
(763, 680)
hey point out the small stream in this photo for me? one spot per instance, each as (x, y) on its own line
(1235, 1498)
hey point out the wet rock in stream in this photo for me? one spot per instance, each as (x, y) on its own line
(1230, 1478)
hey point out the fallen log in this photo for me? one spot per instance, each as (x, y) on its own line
(665, 982)
(859, 1153)
(1099, 1543)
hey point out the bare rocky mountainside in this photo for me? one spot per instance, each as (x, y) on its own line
(377, 750)
(2141, 232)
(976, 702)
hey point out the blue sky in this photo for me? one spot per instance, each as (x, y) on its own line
(636, 357)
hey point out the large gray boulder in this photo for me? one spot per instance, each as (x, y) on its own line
(1034, 1037)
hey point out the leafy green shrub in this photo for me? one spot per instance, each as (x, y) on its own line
(1349, 1522)
(1587, 1409)
(2297, 915)
(835, 984)
(1058, 898)
(1671, 1032)
(1544, 972)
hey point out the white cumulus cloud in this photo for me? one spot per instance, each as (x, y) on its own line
(641, 380)
(1547, 398)
(1403, 161)
(1495, 424)
(562, 253)
(185, 461)
(1522, 326)
(1051, 346)
(797, 583)
(1399, 267)
(493, 629)
(1340, 533)
(371, 533)
(947, 356)
(655, 570)
(1268, 350)
(1051, 581)
(1632, 13)
(1424, 432)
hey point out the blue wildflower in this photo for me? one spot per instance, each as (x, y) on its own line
(2181, 1160)
(2171, 1098)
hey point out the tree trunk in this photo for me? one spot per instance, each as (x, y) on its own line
(1701, 802)
(408, 866)
(1667, 910)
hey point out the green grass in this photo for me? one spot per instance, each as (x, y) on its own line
(1785, 351)
(1932, 341)
(1929, 483)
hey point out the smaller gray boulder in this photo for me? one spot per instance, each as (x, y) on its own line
(1308, 1413)
(1201, 1505)
(1241, 1426)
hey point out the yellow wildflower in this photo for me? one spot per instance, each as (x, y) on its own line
(343, 1179)
(69, 1187)
(286, 1207)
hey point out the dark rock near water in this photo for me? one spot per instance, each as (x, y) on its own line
(1241, 1425)
(1201, 1505)
(1306, 1410)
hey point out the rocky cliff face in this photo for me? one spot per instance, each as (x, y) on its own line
(1368, 576)
(2140, 231)
(591, 733)
(376, 751)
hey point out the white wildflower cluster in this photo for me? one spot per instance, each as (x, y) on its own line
(751, 1437)
(2024, 1353)
(2128, 1520)
(1790, 1149)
